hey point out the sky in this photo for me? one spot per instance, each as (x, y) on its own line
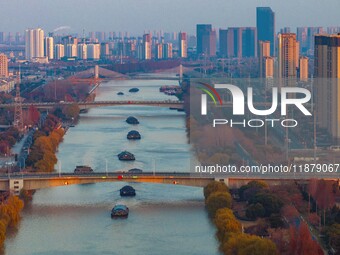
(137, 16)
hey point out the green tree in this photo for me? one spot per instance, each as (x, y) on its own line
(246, 192)
(270, 202)
(255, 210)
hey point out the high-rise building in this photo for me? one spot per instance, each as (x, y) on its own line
(59, 51)
(49, 47)
(327, 72)
(71, 50)
(285, 30)
(206, 40)
(333, 30)
(223, 42)
(82, 51)
(265, 24)
(264, 52)
(159, 51)
(268, 67)
(305, 35)
(234, 42)
(3, 66)
(17, 38)
(303, 68)
(93, 51)
(147, 43)
(297, 60)
(249, 42)
(167, 50)
(182, 45)
(34, 43)
(101, 36)
(311, 32)
(238, 42)
(287, 58)
(2, 37)
(301, 36)
(104, 50)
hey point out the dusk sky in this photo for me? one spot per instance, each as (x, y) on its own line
(137, 16)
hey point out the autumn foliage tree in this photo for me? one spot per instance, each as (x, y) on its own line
(218, 200)
(42, 155)
(243, 244)
(214, 186)
(226, 224)
(302, 243)
(9, 215)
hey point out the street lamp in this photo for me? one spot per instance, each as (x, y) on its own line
(106, 168)
(154, 166)
(59, 168)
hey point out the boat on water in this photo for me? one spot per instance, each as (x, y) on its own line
(132, 120)
(126, 156)
(120, 93)
(120, 211)
(83, 170)
(134, 90)
(135, 171)
(127, 191)
(133, 135)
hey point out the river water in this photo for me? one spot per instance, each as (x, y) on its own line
(163, 219)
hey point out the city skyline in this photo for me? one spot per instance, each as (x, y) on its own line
(137, 17)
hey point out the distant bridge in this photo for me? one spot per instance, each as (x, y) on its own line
(154, 77)
(32, 181)
(87, 105)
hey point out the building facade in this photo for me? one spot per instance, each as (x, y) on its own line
(265, 25)
(327, 73)
(182, 45)
(3, 66)
(34, 43)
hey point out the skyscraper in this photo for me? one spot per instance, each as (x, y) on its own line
(264, 52)
(49, 47)
(234, 42)
(182, 45)
(59, 51)
(223, 42)
(34, 43)
(238, 42)
(3, 66)
(167, 50)
(265, 24)
(303, 69)
(82, 51)
(249, 42)
(71, 50)
(93, 51)
(287, 58)
(327, 72)
(104, 50)
(147, 43)
(206, 40)
(159, 51)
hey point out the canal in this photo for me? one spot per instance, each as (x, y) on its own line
(164, 219)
